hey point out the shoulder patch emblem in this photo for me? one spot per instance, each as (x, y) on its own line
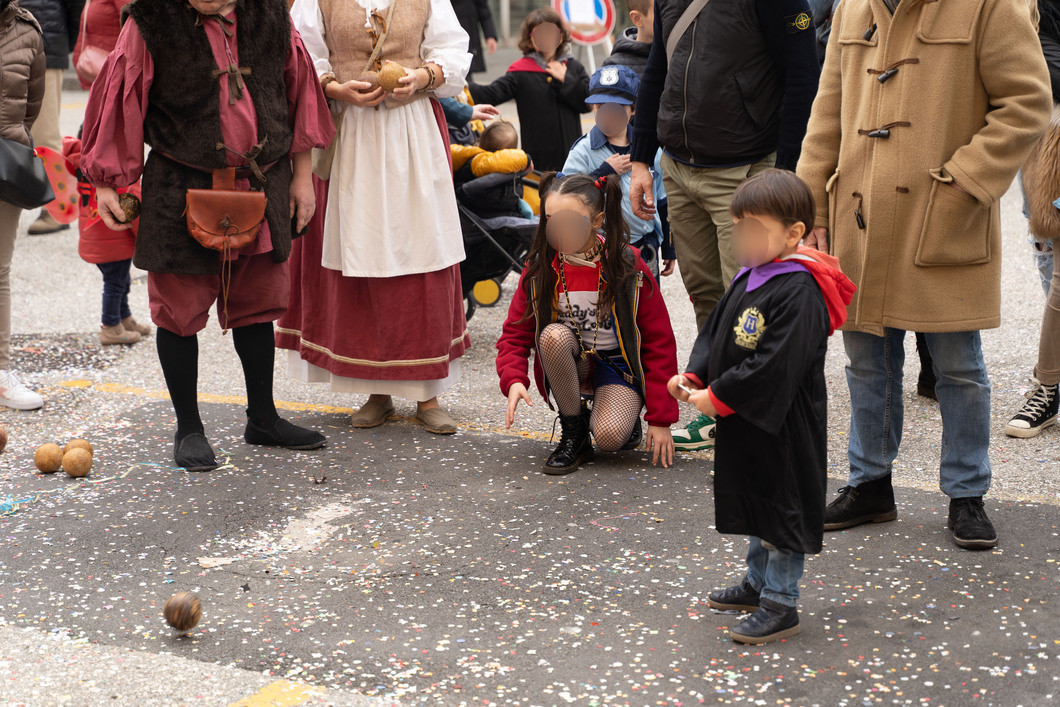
(749, 328)
(798, 23)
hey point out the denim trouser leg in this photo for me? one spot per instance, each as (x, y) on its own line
(774, 572)
(117, 282)
(874, 377)
(964, 398)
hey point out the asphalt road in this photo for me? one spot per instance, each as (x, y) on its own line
(395, 566)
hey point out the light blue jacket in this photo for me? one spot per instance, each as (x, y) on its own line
(589, 156)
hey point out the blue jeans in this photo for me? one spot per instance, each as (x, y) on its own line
(874, 376)
(116, 285)
(774, 572)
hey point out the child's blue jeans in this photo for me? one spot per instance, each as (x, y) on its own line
(774, 572)
(117, 282)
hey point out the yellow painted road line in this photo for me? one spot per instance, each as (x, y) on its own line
(122, 389)
(280, 405)
(282, 693)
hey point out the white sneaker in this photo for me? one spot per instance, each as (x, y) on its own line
(14, 394)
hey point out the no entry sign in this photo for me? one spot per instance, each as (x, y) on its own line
(591, 21)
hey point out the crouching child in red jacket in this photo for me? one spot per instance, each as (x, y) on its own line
(758, 367)
(590, 310)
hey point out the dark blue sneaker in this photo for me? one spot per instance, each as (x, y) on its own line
(742, 598)
(772, 622)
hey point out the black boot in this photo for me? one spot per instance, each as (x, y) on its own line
(925, 384)
(870, 502)
(742, 598)
(575, 446)
(971, 528)
(772, 622)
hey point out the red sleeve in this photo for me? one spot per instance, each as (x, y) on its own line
(516, 342)
(112, 143)
(658, 352)
(723, 409)
(696, 380)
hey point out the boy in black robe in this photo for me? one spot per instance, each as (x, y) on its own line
(761, 355)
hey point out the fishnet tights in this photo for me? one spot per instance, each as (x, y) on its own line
(616, 408)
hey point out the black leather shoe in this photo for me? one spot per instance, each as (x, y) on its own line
(772, 622)
(870, 502)
(971, 528)
(575, 446)
(194, 453)
(742, 598)
(636, 438)
(282, 433)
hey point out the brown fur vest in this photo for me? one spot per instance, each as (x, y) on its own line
(183, 120)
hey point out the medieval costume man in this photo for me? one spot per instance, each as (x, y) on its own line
(210, 84)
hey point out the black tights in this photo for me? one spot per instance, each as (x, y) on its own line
(616, 408)
(179, 357)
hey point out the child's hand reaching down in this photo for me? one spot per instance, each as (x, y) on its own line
(661, 446)
(515, 393)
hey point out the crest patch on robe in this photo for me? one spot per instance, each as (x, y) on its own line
(749, 328)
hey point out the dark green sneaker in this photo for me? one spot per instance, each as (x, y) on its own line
(698, 435)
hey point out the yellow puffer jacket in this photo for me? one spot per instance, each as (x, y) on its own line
(483, 163)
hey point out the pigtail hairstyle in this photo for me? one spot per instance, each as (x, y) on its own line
(602, 195)
(617, 269)
(539, 258)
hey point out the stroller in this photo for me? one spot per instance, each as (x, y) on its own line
(496, 237)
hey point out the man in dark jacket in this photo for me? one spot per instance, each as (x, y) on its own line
(731, 101)
(59, 22)
(633, 47)
(472, 15)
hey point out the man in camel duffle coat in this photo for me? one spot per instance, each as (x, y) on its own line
(926, 110)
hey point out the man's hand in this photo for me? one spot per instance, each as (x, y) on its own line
(817, 238)
(110, 209)
(641, 188)
(661, 446)
(668, 268)
(619, 163)
(491, 45)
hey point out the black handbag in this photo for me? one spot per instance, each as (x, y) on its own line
(23, 179)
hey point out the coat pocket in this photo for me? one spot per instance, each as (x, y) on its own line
(956, 227)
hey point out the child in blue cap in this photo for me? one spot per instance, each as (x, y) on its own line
(605, 151)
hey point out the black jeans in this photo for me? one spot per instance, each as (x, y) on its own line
(116, 285)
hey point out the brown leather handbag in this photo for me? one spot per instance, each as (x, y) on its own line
(222, 218)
